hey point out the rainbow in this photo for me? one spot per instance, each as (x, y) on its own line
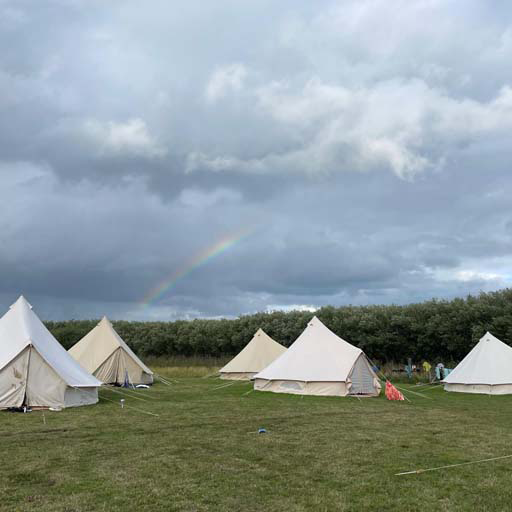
(200, 259)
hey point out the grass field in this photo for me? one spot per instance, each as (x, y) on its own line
(202, 452)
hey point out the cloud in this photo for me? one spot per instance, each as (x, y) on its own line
(401, 125)
(312, 248)
(472, 275)
(131, 136)
(201, 199)
(108, 138)
(225, 80)
(11, 17)
(291, 307)
(371, 151)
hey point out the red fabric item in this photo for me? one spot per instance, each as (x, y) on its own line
(392, 393)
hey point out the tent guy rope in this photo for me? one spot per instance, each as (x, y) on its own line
(130, 407)
(417, 471)
(225, 385)
(414, 392)
(126, 394)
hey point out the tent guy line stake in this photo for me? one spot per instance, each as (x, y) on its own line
(417, 471)
(130, 407)
(247, 392)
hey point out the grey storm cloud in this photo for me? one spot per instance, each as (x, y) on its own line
(363, 145)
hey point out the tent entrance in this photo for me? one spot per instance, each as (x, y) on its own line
(13, 381)
(33, 382)
(362, 379)
(44, 386)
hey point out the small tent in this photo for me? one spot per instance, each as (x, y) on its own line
(35, 370)
(253, 358)
(319, 363)
(486, 369)
(103, 353)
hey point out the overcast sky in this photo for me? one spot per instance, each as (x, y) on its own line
(362, 147)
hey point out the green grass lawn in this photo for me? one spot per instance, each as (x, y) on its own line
(203, 453)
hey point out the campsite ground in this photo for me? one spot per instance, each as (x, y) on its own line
(202, 452)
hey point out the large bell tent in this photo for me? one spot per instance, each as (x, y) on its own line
(320, 363)
(35, 370)
(104, 353)
(487, 369)
(253, 358)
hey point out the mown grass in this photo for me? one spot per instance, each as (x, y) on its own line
(202, 452)
(186, 361)
(187, 366)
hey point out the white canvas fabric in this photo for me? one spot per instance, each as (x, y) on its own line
(104, 353)
(253, 358)
(486, 369)
(319, 363)
(35, 370)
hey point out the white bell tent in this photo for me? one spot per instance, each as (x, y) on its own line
(320, 363)
(35, 370)
(486, 369)
(103, 353)
(253, 358)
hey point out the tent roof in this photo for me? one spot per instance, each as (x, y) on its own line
(316, 355)
(99, 344)
(21, 327)
(489, 362)
(256, 355)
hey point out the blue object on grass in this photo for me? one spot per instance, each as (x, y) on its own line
(261, 430)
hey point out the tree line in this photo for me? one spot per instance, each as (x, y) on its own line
(432, 330)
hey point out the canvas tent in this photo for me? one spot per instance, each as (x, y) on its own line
(486, 369)
(319, 363)
(253, 358)
(35, 370)
(103, 353)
